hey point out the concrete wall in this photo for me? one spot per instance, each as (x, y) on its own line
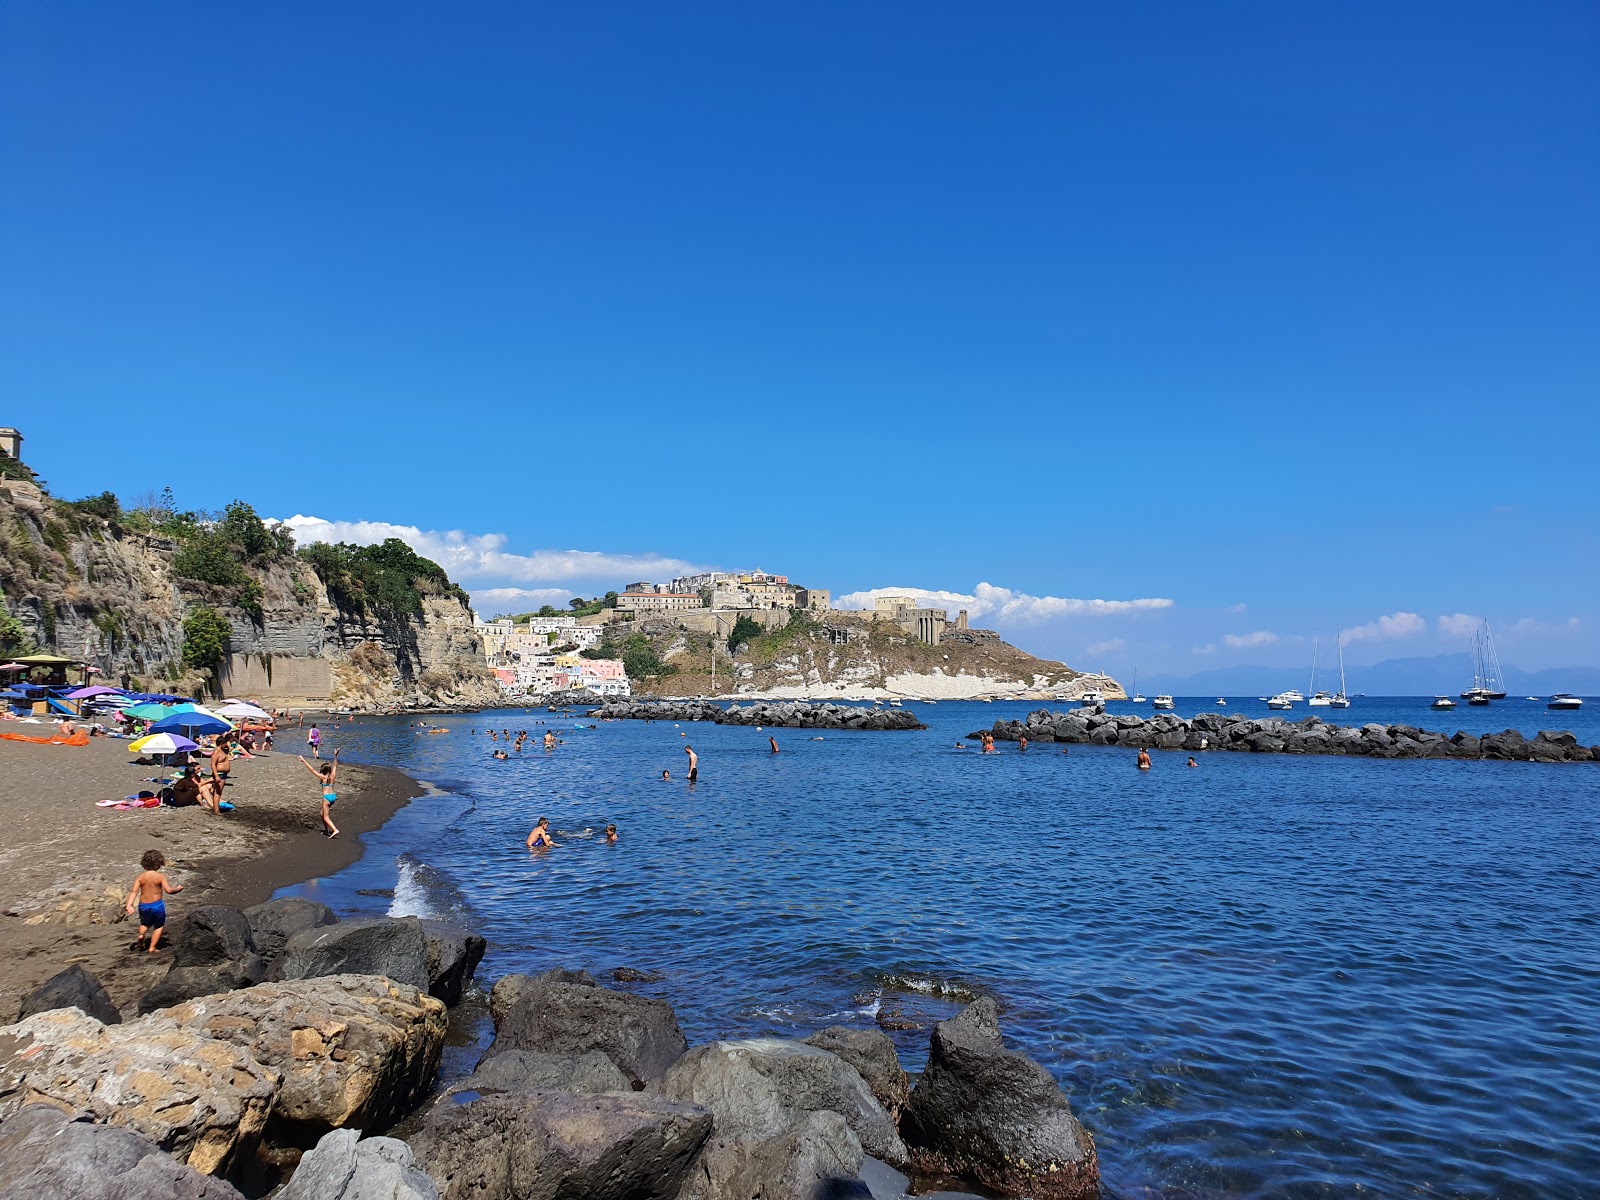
(294, 680)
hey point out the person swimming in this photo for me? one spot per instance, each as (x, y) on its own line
(1192, 762)
(611, 833)
(666, 774)
(541, 835)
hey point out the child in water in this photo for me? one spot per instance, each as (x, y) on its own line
(148, 894)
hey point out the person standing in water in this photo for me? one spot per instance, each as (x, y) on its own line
(1144, 759)
(549, 739)
(694, 763)
(774, 743)
(314, 740)
(325, 776)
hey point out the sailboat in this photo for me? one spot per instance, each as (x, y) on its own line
(1318, 699)
(1340, 700)
(1137, 699)
(1486, 680)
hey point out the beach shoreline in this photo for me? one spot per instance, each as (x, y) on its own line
(70, 863)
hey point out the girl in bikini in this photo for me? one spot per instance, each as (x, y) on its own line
(324, 775)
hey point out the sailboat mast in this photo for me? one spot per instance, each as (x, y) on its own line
(1341, 662)
(1491, 661)
(1316, 643)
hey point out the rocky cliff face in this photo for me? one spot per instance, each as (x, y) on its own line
(91, 588)
(849, 656)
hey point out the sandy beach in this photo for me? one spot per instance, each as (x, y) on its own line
(69, 863)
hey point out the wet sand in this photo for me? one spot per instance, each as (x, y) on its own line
(68, 865)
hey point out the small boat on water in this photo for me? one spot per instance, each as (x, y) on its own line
(1340, 700)
(1163, 702)
(1565, 701)
(1221, 703)
(1486, 676)
(1442, 702)
(1534, 698)
(896, 704)
(1293, 696)
(1090, 698)
(1284, 700)
(1321, 700)
(1318, 699)
(1137, 698)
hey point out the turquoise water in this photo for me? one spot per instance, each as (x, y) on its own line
(1268, 976)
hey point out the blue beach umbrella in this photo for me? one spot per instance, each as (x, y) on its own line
(198, 722)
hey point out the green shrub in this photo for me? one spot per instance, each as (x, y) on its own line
(744, 630)
(205, 639)
(389, 579)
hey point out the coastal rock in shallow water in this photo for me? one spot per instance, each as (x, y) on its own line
(995, 1117)
(552, 1146)
(204, 1101)
(72, 988)
(453, 958)
(395, 948)
(45, 1153)
(353, 1050)
(533, 1071)
(346, 1166)
(640, 1035)
(508, 989)
(272, 924)
(871, 1053)
(758, 1087)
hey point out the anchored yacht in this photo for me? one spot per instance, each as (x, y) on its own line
(1284, 700)
(1091, 697)
(1163, 702)
(1565, 700)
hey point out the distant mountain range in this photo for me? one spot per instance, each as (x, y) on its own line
(1443, 674)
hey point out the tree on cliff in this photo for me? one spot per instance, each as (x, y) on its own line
(205, 639)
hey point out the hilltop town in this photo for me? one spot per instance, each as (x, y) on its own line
(759, 635)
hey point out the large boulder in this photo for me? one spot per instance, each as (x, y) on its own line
(760, 1086)
(272, 924)
(815, 1158)
(188, 983)
(46, 1152)
(453, 956)
(209, 935)
(871, 1053)
(508, 989)
(640, 1035)
(72, 988)
(203, 1100)
(345, 1166)
(995, 1117)
(545, 1145)
(395, 948)
(533, 1071)
(353, 1050)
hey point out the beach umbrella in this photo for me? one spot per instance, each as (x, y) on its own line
(149, 712)
(162, 743)
(238, 709)
(88, 693)
(193, 721)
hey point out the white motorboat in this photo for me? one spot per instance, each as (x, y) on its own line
(1293, 696)
(1163, 702)
(1443, 702)
(1138, 699)
(1091, 697)
(1534, 698)
(896, 704)
(1321, 700)
(1566, 701)
(1221, 703)
(1283, 700)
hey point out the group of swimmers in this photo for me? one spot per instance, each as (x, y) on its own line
(521, 736)
(541, 838)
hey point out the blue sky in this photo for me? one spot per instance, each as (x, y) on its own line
(1284, 314)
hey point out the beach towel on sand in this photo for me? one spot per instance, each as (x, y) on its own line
(78, 739)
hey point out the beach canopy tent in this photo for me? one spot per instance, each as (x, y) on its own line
(54, 665)
(89, 693)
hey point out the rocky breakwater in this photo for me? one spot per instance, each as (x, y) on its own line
(1312, 735)
(780, 714)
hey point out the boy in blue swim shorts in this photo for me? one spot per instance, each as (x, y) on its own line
(148, 895)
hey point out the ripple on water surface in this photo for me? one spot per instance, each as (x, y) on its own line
(1271, 976)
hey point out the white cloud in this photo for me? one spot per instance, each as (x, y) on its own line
(1458, 625)
(1208, 648)
(1261, 637)
(1532, 625)
(1003, 604)
(468, 556)
(1109, 646)
(505, 599)
(1400, 624)
(1238, 608)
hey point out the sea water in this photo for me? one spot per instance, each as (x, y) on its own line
(1266, 976)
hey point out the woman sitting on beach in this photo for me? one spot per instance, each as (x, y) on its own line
(324, 774)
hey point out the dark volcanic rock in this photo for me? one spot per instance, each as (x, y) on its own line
(272, 924)
(553, 1146)
(394, 948)
(190, 983)
(210, 935)
(872, 1054)
(47, 1153)
(638, 1034)
(72, 988)
(453, 958)
(986, 1114)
